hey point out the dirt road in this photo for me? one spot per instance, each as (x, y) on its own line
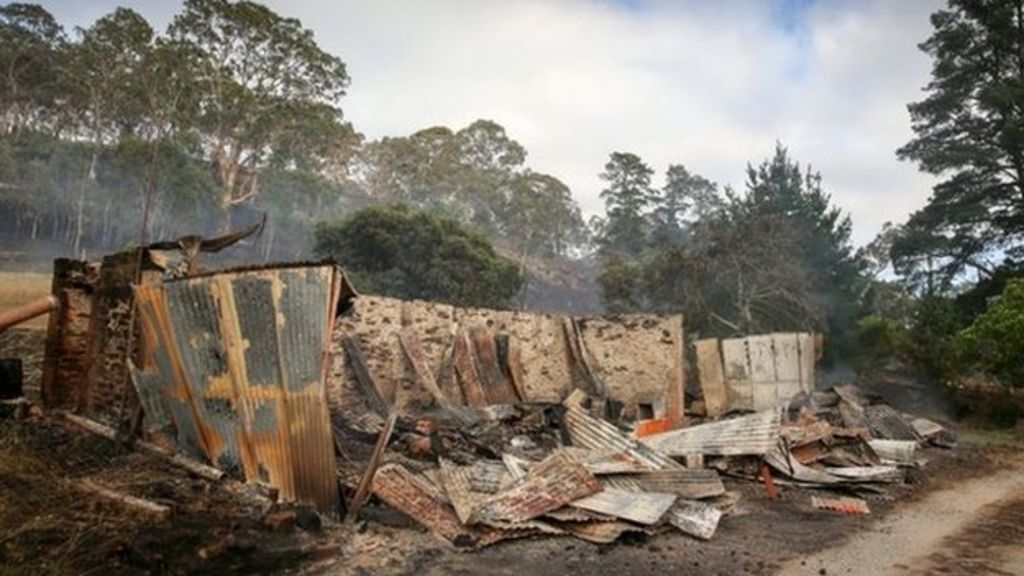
(972, 527)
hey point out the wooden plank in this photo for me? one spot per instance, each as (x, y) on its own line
(366, 483)
(414, 353)
(581, 364)
(465, 368)
(712, 376)
(367, 386)
(496, 388)
(158, 511)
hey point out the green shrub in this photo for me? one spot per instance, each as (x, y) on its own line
(994, 343)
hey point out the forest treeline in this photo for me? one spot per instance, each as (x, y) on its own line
(118, 134)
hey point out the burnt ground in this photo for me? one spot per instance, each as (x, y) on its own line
(47, 525)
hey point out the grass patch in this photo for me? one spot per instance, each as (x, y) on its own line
(17, 288)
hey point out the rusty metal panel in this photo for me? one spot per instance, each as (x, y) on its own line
(755, 435)
(549, 485)
(640, 507)
(853, 506)
(244, 354)
(422, 502)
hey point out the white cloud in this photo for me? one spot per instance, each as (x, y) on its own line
(709, 84)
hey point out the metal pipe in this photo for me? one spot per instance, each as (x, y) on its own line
(27, 311)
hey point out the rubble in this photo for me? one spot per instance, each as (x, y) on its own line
(481, 425)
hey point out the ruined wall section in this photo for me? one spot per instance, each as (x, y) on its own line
(639, 357)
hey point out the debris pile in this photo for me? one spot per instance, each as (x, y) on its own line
(474, 477)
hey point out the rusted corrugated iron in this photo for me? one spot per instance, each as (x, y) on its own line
(242, 358)
(747, 435)
(423, 502)
(853, 506)
(549, 485)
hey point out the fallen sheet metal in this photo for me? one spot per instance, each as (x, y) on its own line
(852, 506)
(597, 434)
(867, 473)
(888, 424)
(694, 518)
(600, 532)
(898, 451)
(550, 484)
(421, 501)
(457, 483)
(604, 462)
(242, 363)
(926, 428)
(691, 483)
(640, 507)
(780, 460)
(754, 435)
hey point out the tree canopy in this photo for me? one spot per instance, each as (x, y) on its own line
(969, 131)
(405, 253)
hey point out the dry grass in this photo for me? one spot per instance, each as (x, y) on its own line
(20, 287)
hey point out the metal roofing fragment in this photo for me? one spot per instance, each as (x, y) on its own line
(597, 434)
(694, 518)
(888, 424)
(242, 362)
(693, 483)
(755, 434)
(549, 485)
(640, 507)
(421, 501)
(898, 451)
(600, 532)
(852, 506)
(925, 428)
(457, 482)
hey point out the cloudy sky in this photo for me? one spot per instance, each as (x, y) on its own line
(712, 84)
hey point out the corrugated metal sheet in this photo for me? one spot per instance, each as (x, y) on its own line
(755, 434)
(422, 502)
(242, 358)
(597, 434)
(549, 485)
(694, 518)
(694, 483)
(640, 507)
(900, 451)
(853, 506)
(888, 424)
